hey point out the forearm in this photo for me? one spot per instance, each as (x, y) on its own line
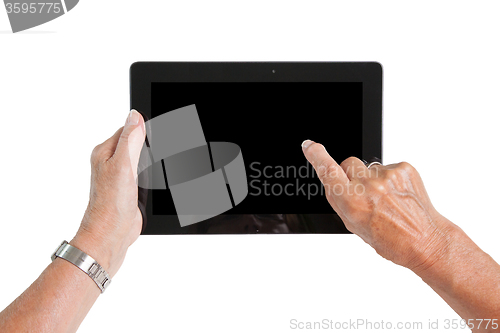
(467, 279)
(56, 302)
(62, 296)
(59, 299)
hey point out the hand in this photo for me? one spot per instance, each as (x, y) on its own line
(112, 221)
(387, 206)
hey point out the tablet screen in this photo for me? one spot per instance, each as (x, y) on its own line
(269, 121)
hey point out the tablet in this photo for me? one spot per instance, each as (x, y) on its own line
(223, 143)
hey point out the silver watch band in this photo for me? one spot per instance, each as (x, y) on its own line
(85, 262)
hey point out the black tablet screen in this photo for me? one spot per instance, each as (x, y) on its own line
(269, 121)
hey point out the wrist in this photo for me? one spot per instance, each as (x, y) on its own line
(461, 273)
(104, 252)
(435, 251)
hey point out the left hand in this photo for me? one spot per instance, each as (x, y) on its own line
(113, 221)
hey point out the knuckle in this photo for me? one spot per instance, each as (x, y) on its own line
(96, 155)
(348, 162)
(392, 175)
(380, 185)
(406, 167)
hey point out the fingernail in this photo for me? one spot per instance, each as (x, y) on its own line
(133, 118)
(306, 143)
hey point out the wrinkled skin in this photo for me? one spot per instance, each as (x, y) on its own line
(387, 206)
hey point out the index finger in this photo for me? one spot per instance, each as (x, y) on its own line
(329, 172)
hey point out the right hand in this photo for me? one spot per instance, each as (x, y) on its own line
(387, 206)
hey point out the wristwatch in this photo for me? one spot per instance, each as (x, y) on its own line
(85, 262)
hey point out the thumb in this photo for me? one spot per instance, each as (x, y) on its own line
(128, 149)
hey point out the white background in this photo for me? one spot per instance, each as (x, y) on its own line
(64, 89)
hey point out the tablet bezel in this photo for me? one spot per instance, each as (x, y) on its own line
(142, 74)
